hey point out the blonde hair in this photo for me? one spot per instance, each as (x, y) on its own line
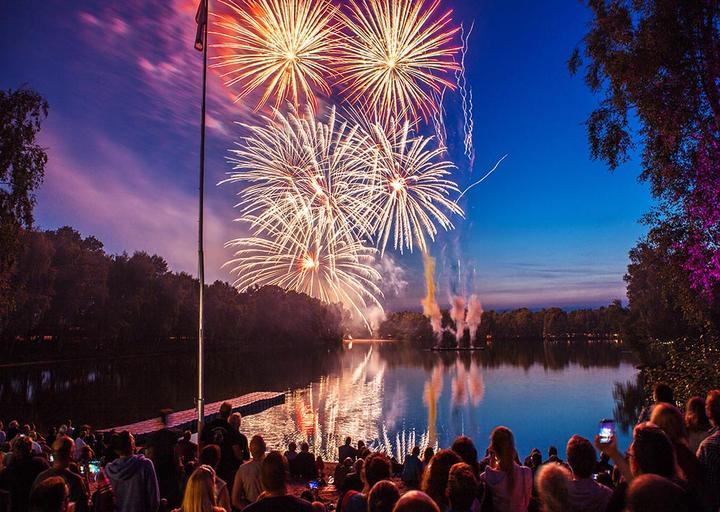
(670, 419)
(200, 491)
(552, 485)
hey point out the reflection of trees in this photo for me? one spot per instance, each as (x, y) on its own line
(629, 400)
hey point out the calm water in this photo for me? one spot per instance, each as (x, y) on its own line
(384, 393)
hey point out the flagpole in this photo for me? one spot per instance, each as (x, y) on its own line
(201, 44)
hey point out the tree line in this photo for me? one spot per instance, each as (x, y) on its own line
(67, 290)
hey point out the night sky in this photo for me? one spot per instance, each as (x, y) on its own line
(549, 227)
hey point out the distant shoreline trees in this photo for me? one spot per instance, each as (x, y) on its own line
(67, 290)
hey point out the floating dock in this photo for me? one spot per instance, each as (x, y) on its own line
(249, 404)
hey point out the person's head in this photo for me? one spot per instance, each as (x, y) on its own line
(62, 449)
(123, 444)
(361, 445)
(656, 493)
(292, 447)
(535, 459)
(225, 410)
(165, 416)
(307, 495)
(712, 407)
(382, 497)
(318, 506)
(462, 487)
(187, 435)
(376, 468)
(257, 447)
(273, 473)
(465, 448)
(428, 454)
(348, 441)
(695, 416)
(552, 485)
(651, 451)
(581, 456)
(662, 393)
(14, 424)
(22, 447)
(62, 430)
(415, 501)
(348, 462)
(210, 455)
(358, 466)
(235, 420)
(670, 419)
(49, 495)
(304, 447)
(200, 490)
(435, 478)
(552, 451)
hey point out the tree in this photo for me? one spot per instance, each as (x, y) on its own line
(22, 167)
(657, 65)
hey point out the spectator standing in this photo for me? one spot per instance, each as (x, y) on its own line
(584, 493)
(696, 422)
(655, 493)
(462, 489)
(346, 451)
(709, 451)
(382, 497)
(435, 478)
(132, 477)
(49, 496)
(510, 484)
(375, 468)
(62, 449)
(232, 447)
(20, 474)
(210, 456)
(305, 463)
(341, 472)
(200, 492)
(187, 451)
(291, 454)
(235, 421)
(552, 485)
(662, 393)
(415, 501)
(248, 481)
(161, 449)
(412, 469)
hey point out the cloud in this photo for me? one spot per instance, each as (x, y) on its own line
(110, 193)
(393, 283)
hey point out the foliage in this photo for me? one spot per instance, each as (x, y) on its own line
(67, 289)
(656, 64)
(22, 167)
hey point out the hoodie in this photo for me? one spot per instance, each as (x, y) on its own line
(516, 499)
(587, 495)
(134, 483)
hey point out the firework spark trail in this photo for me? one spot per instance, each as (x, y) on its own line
(466, 95)
(282, 47)
(438, 119)
(497, 164)
(393, 52)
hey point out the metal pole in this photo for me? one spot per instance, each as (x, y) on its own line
(201, 257)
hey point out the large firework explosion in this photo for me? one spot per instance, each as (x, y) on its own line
(324, 193)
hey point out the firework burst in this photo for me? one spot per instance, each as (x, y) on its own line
(394, 53)
(281, 47)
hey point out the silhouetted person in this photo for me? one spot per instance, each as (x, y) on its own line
(274, 475)
(435, 478)
(248, 482)
(132, 477)
(462, 488)
(662, 393)
(375, 468)
(427, 455)
(51, 495)
(709, 451)
(187, 451)
(657, 494)
(62, 450)
(362, 450)
(161, 449)
(346, 451)
(696, 422)
(584, 493)
(291, 454)
(341, 472)
(412, 469)
(18, 477)
(235, 421)
(465, 448)
(210, 456)
(415, 501)
(553, 456)
(305, 463)
(382, 497)
(221, 433)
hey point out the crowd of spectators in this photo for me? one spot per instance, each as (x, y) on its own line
(672, 464)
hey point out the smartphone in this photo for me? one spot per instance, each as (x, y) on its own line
(313, 484)
(606, 431)
(94, 467)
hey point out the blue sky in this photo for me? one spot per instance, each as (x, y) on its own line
(549, 227)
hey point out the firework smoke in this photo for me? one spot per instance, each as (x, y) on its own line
(474, 317)
(457, 313)
(430, 306)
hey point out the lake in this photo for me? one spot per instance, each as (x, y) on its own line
(388, 394)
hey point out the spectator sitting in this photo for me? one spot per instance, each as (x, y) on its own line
(341, 472)
(51, 495)
(132, 477)
(653, 492)
(709, 452)
(305, 463)
(274, 474)
(696, 422)
(415, 501)
(62, 449)
(291, 454)
(232, 444)
(346, 451)
(552, 484)
(435, 478)
(248, 483)
(20, 474)
(382, 497)
(584, 493)
(462, 489)
(210, 456)
(510, 484)
(200, 492)
(662, 393)
(412, 469)
(353, 481)
(375, 468)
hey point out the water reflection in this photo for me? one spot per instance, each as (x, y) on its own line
(394, 396)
